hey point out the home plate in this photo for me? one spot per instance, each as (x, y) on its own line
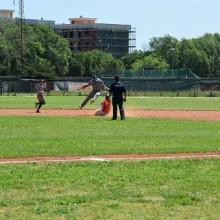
(94, 159)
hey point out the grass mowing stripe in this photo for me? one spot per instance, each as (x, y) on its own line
(68, 102)
(137, 190)
(46, 136)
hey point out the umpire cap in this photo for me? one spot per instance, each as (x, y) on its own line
(116, 78)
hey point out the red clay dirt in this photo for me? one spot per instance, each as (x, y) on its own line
(163, 114)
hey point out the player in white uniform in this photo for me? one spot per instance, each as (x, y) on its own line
(41, 89)
(97, 86)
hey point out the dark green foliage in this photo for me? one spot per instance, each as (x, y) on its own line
(45, 53)
(201, 55)
(95, 62)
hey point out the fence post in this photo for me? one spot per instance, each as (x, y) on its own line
(8, 88)
(64, 87)
(1, 87)
(15, 92)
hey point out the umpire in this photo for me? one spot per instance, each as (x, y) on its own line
(118, 92)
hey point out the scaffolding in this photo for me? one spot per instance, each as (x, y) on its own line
(119, 40)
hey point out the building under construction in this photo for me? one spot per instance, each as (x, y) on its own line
(85, 34)
(6, 14)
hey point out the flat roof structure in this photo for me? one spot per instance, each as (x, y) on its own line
(5, 13)
(85, 34)
(82, 20)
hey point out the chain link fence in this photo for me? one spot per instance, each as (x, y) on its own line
(135, 86)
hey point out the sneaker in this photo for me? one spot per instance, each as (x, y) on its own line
(37, 111)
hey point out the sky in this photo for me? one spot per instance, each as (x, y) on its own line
(151, 18)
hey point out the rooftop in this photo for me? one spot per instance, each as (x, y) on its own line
(82, 20)
(6, 10)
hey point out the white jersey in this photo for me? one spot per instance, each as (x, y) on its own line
(97, 84)
(40, 88)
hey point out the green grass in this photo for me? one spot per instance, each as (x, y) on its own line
(53, 102)
(137, 190)
(174, 103)
(70, 102)
(38, 136)
(151, 190)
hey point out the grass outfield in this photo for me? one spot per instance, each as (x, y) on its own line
(62, 136)
(137, 190)
(68, 102)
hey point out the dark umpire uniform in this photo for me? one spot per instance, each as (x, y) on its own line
(118, 92)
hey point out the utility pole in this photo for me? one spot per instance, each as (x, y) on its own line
(20, 23)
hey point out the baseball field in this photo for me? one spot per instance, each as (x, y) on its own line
(162, 162)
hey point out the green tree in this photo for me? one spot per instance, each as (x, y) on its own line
(131, 58)
(152, 61)
(45, 53)
(114, 67)
(201, 54)
(192, 58)
(46, 49)
(95, 62)
(76, 67)
(209, 45)
(8, 52)
(162, 45)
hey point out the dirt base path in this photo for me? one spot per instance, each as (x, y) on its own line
(109, 158)
(164, 114)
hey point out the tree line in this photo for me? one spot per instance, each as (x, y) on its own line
(47, 54)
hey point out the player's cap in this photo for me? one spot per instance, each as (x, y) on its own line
(116, 78)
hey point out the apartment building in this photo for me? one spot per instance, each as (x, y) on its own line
(85, 34)
(6, 14)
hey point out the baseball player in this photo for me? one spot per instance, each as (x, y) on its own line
(40, 89)
(105, 107)
(97, 86)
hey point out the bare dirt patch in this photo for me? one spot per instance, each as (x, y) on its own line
(109, 158)
(163, 114)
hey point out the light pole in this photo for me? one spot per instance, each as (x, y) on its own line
(172, 52)
(20, 23)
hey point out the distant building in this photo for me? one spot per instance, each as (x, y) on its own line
(8, 14)
(39, 21)
(84, 34)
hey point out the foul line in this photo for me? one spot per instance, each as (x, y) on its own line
(110, 158)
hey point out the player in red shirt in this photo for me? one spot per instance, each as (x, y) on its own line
(105, 107)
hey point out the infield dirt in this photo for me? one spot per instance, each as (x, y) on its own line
(163, 114)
